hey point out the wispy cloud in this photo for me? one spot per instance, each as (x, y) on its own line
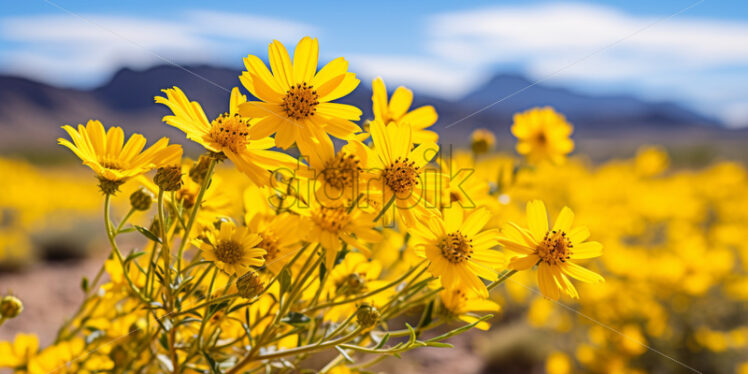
(551, 39)
(62, 48)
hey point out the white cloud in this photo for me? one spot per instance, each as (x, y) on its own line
(60, 48)
(428, 75)
(596, 44)
(530, 32)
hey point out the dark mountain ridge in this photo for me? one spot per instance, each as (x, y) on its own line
(29, 110)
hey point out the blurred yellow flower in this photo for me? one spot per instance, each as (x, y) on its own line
(558, 363)
(397, 111)
(651, 161)
(482, 141)
(542, 134)
(18, 353)
(232, 249)
(460, 303)
(296, 98)
(551, 250)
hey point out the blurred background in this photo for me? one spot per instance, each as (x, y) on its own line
(673, 73)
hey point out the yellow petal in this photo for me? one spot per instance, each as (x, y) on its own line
(537, 219)
(305, 60)
(587, 250)
(400, 102)
(564, 220)
(582, 274)
(280, 63)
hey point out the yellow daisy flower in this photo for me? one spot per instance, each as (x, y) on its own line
(336, 176)
(551, 250)
(18, 353)
(281, 234)
(396, 110)
(458, 251)
(399, 171)
(542, 134)
(461, 303)
(482, 141)
(355, 275)
(227, 134)
(331, 225)
(111, 158)
(233, 248)
(296, 98)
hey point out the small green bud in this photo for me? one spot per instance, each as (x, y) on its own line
(169, 178)
(109, 187)
(199, 170)
(141, 199)
(249, 285)
(10, 307)
(367, 315)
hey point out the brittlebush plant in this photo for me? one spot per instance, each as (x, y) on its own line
(329, 254)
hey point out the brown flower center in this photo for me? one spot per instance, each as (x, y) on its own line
(401, 176)
(456, 248)
(351, 284)
(230, 131)
(270, 244)
(331, 219)
(341, 171)
(229, 252)
(555, 248)
(187, 198)
(541, 137)
(300, 101)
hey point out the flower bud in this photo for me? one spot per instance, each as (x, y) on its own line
(482, 141)
(169, 178)
(141, 199)
(10, 307)
(199, 170)
(109, 187)
(249, 285)
(367, 315)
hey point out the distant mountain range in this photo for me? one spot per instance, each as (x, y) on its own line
(30, 111)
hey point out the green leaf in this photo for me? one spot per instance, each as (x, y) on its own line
(295, 318)
(382, 342)
(214, 368)
(133, 256)
(84, 284)
(148, 234)
(344, 354)
(284, 279)
(426, 317)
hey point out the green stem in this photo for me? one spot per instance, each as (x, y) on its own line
(193, 215)
(115, 248)
(368, 294)
(124, 220)
(298, 350)
(501, 279)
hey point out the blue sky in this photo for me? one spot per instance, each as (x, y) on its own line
(698, 57)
